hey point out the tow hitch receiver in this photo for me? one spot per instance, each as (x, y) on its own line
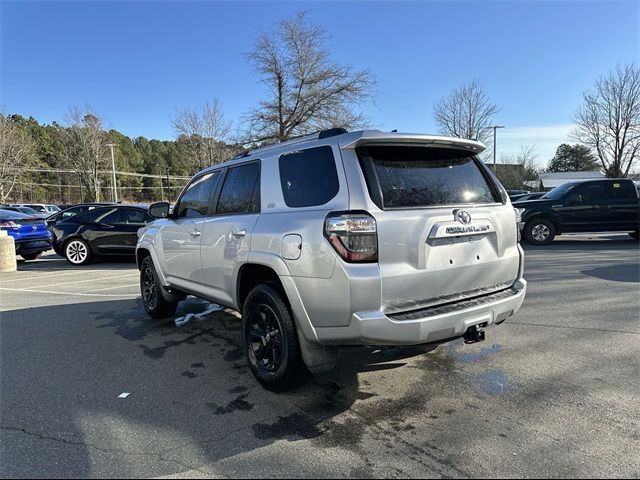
(474, 334)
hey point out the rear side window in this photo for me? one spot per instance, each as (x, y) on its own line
(95, 215)
(308, 177)
(591, 193)
(623, 191)
(241, 190)
(410, 177)
(197, 196)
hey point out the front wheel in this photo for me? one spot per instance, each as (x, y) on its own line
(270, 338)
(154, 303)
(539, 231)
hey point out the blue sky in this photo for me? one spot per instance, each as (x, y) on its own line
(136, 63)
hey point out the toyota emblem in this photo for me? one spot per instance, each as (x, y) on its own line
(462, 216)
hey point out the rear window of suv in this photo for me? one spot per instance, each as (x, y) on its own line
(414, 176)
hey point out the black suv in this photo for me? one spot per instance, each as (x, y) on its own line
(608, 205)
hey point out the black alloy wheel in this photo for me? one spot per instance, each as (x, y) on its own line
(150, 289)
(270, 338)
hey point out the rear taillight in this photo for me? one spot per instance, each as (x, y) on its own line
(9, 225)
(353, 235)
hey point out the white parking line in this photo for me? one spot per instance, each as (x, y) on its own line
(113, 288)
(72, 294)
(48, 276)
(82, 281)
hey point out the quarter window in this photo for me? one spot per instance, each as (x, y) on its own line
(196, 198)
(624, 191)
(308, 177)
(240, 192)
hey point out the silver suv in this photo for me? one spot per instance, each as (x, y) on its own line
(340, 238)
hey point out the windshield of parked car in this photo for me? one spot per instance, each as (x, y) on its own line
(417, 176)
(559, 192)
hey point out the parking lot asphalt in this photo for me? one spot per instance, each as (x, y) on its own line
(553, 392)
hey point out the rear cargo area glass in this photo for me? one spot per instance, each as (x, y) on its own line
(416, 176)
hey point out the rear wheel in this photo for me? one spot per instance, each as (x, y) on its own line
(77, 252)
(270, 338)
(539, 231)
(30, 256)
(154, 303)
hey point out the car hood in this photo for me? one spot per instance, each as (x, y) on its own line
(533, 203)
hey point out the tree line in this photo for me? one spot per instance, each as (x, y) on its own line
(304, 91)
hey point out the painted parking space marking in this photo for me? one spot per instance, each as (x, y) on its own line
(72, 294)
(82, 281)
(47, 276)
(114, 288)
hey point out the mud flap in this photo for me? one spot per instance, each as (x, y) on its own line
(318, 358)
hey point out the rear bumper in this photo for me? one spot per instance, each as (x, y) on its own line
(33, 245)
(426, 325)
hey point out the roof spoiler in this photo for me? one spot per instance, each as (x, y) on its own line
(375, 137)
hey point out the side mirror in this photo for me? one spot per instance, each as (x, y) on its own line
(574, 199)
(159, 210)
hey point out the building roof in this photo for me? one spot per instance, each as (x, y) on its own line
(555, 179)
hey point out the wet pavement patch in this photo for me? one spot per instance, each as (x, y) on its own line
(238, 404)
(493, 382)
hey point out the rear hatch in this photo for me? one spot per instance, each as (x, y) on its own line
(444, 233)
(30, 229)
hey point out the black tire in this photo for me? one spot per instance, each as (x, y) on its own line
(30, 256)
(539, 231)
(270, 339)
(634, 235)
(150, 289)
(77, 251)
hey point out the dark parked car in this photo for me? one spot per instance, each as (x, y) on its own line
(609, 205)
(102, 231)
(29, 233)
(74, 210)
(26, 210)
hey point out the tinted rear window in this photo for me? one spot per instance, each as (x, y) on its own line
(410, 177)
(308, 177)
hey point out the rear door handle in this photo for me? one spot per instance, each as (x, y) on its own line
(239, 232)
(194, 233)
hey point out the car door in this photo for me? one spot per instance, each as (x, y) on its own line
(180, 237)
(623, 206)
(584, 208)
(226, 237)
(134, 220)
(105, 233)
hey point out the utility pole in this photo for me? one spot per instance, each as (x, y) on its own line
(494, 127)
(113, 172)
(168, 185)
(161, 185)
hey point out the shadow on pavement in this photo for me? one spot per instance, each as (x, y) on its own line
(617, 273)
(190, 388)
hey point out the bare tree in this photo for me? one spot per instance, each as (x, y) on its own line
(466, 113)
(609, 120)
(17, 152)
(306, 91)
(205, 132)
(514, 170)
(85, 140)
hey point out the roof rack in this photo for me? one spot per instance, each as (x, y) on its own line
(331, 132)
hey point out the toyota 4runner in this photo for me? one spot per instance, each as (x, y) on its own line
(340, 238)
